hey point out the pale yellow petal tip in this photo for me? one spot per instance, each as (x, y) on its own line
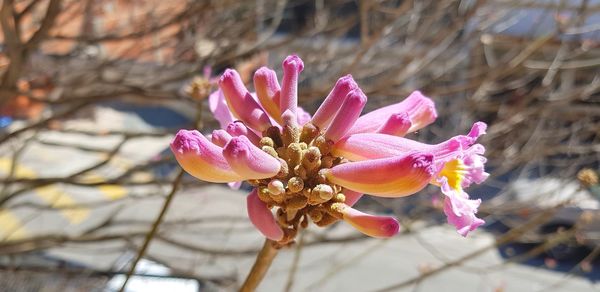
(371, 225)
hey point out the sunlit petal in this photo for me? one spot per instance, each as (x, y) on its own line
(303, 116)
(241, 103)
(371, 225)
(419, 108)
(220, 137)
(262, 218)
(249, 161)
(351, 197)
(288, 100)
(332, 103)
(201, 158)
(268, 90)
(237, 128)
(396, 125)
(364, 146)
(347, 115)
(388, 177)
(218, 107)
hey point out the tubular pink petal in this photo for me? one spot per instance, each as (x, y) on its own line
(241, 103)
(352, 197)
(220, 137)
(237, 128)
(477, 130)
(262, 218)
(289, 119)
(235, 185)
(201, 158)
(347, 115)
(396, 125)
(288, 99)
(268, 90)
(218, 107)
(421, 111)
(303, 116)
(388, 177)
(233, 90)
(373, 145)
(371, 225)
(249, 161)
(366, 146)
(419, 108)
(333, 101)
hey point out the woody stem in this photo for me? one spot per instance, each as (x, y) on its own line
(261, 266)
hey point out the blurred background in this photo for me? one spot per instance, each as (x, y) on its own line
(92, 92)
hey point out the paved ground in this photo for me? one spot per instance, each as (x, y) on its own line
(359, 265)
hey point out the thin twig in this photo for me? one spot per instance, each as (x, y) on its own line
(295, 263)
(152, 232)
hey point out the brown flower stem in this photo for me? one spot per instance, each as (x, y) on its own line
(261, 266)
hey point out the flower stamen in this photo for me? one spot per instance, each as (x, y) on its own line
(303, 192)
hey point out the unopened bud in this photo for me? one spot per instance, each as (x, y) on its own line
(294, 154)
(264, 195)
(339, 197)
(587, 177)
(312, 159)
(336, 209)
(312, 154)
(309, 132)
(269, 150)
(295, 184)
(320, 194)
(324, 191)
(276, 187)
(267, 141)
(323, 145)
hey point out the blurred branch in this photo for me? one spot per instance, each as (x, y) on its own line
(154, 228)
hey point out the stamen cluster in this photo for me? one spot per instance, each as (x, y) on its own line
(300, 190)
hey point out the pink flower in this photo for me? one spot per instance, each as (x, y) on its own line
(458, 162)
(316, 168)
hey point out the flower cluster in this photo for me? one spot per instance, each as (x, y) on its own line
(316, 168)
